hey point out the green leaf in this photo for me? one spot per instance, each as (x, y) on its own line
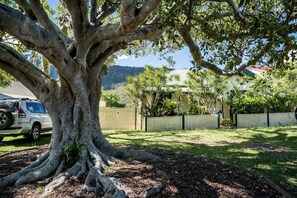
(241, 3)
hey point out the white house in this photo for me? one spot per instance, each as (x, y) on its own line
(232, 81)
(16, 90)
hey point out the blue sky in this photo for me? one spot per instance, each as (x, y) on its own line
(182, 58)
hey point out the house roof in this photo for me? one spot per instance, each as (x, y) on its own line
(17, 90)
(255, 70)
(250, 71)
(182, 76)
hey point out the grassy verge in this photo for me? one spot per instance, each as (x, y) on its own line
(10, 144)
(269, 151)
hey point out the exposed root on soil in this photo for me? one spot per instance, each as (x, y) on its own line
(90, 166)
(34, 172)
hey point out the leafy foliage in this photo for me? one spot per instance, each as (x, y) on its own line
(151, 89)
(73, 152)
(226, 122)
(5, 79)
(275, 90)
(112, 99)
(248, 104)
(205, 88)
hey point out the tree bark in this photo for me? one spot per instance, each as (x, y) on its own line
(74, 112)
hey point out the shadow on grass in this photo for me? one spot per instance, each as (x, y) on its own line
(25, 142)
(270, 152)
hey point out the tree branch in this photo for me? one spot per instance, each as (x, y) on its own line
(93, 15)
(41, 15)
(23, 28)
(20, 68)
(106, 10)
(27, 9)
(128, 11)
(114, 31)
(78, 10)
(236, 11)
(256, 58)
(196, 53)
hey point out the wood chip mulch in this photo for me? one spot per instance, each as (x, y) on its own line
(182, 175)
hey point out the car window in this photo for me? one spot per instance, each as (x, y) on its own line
(35, 107)
(32, 107)
(40, 108)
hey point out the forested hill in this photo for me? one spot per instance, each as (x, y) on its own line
(118, 74)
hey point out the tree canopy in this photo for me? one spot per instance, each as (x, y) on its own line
(274, 89)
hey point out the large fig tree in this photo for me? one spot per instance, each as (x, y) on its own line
(222, 35)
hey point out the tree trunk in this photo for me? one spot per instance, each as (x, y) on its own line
(76, 135)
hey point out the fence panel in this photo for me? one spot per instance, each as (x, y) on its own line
(201, 121)
(282, 119)
(164, 123)
(120, 118)
(251, 120)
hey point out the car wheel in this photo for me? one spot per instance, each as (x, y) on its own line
(6, 119)
(1, 138)
(35, 132)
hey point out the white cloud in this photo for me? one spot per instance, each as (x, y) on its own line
(123, 57)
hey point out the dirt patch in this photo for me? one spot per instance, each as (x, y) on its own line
(183, 176)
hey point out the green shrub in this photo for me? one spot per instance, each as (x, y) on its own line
(73, 152)
(227, 122)
(196, 110)
(249, 104)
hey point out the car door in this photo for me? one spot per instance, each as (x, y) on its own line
(45, 119)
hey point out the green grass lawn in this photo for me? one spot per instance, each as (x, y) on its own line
(10, 144)
(269, 151)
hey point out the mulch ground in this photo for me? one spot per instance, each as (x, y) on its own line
(182, 175)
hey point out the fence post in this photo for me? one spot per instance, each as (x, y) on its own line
(145, 123)
(268, 116)
(219, 120)
(183, 121)
(135, 116)
(236, 119)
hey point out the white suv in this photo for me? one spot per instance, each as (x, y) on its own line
(23, 117)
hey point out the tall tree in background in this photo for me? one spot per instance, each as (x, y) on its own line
(219, 33)
(278, 88)
(152, 91)
(206, 88)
